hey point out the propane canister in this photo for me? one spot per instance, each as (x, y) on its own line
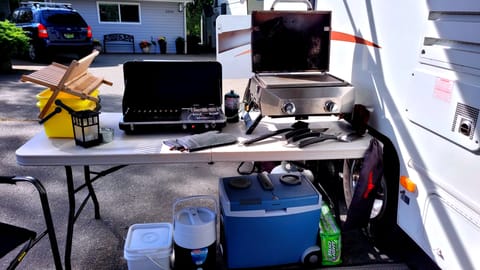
(231, 106)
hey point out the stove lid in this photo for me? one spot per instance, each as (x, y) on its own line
(290, 41)
(171, 84)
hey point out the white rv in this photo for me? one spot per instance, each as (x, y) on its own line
(416, 66)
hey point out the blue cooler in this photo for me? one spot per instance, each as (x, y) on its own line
(268, 224)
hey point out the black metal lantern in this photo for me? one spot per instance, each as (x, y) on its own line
(86, 128)
(86, 125)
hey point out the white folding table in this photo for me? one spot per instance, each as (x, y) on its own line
(149, 149)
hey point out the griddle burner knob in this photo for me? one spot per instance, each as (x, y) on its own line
(332, 107)
(288, 108)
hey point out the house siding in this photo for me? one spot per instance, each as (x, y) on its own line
(156, 19)
(4, 10)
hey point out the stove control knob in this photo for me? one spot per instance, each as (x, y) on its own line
(288, 108)
(331, 106)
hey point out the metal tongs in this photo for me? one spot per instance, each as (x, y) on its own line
(307, 133)
(296, 127)
(342, 137)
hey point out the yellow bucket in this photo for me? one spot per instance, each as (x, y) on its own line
(60, 124)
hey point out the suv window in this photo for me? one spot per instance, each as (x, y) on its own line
(22, 16)
(56, 18)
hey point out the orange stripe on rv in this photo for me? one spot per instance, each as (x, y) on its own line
(243, 53)
(351, 38)
(335, 36)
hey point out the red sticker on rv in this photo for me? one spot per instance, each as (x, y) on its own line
(443, 89)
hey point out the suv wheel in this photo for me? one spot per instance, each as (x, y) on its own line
(32, 53)
(39, 56)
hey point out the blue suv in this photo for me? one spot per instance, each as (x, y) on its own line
(53, 28)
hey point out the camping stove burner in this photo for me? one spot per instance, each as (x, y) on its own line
(204, 113)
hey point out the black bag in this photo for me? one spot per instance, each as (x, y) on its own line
(358, 214)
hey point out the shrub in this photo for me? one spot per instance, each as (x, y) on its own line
(13, 40)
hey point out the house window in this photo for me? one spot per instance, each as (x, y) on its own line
(110, 12)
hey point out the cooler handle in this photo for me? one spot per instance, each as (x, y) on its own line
(306, 2)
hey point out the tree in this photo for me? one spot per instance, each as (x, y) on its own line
(194, 13)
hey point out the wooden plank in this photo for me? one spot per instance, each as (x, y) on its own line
(80, 67)
(49, 76)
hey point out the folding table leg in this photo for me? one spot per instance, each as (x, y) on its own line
(71, 217)
(73, 213)
(91, 191)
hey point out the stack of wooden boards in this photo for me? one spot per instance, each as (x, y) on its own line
(73, 79)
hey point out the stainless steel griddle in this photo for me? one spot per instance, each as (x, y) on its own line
(290, 59)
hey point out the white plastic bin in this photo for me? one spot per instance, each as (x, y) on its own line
(149, 246)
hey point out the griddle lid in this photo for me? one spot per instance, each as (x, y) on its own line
(290, 41)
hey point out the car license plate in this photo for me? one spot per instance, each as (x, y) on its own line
(69, 35)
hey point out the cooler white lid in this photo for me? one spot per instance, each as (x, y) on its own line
(149, 238)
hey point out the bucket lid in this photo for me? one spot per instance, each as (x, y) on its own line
(148, 238)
